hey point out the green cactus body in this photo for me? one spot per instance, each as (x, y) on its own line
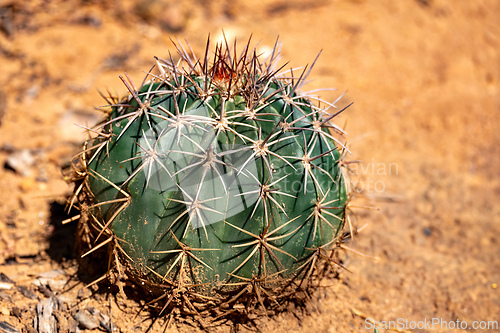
(213, 176)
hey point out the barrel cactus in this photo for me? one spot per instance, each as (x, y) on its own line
(216, 182)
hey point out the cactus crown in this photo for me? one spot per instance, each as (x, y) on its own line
(216, 182)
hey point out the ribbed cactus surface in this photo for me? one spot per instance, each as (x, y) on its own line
(218, 177)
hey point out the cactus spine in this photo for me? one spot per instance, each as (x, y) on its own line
(216, 181)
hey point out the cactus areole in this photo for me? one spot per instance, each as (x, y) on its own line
(216, 181)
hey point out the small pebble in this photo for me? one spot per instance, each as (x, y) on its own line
(21, 161)
(5, 327)
(6, 285)
(5, 278)
(27, 292)
(85, 320)
(53, 273)
(5, 311)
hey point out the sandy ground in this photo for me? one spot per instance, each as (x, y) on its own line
(424, 78)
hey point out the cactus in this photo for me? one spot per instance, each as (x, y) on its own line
(215, 182)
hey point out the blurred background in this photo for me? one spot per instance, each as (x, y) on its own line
(423, 76)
